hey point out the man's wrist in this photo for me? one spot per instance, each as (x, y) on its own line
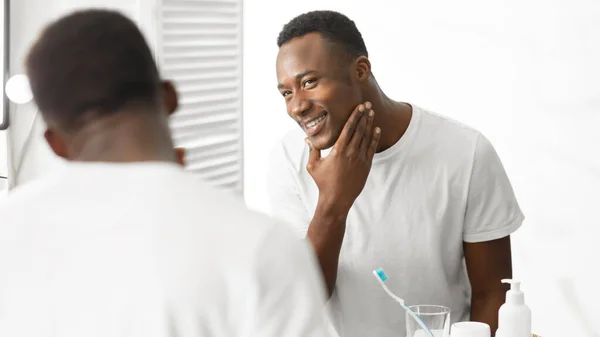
(329, 211)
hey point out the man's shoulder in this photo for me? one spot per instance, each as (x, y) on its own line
(447, 137)
(245, 235)
(290, 150)
(442, 140)
(448, 126)
(228, 210)
(293, 142)
(24, 196)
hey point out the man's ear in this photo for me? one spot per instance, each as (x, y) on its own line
(362, 66)
(170, 97)
(180, 155)
(56, 143)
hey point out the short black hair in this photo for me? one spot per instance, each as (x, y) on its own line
(90, 64)
(333, 26)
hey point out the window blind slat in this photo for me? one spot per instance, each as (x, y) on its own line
(200, 50)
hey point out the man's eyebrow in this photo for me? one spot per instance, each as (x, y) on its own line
(298, 76)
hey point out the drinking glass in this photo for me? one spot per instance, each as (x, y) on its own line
(435, 317)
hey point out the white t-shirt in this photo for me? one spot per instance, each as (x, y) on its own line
(147, 250)
(441, 184)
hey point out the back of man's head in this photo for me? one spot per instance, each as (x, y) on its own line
(88, 65)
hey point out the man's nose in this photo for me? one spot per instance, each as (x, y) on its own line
(299, 106)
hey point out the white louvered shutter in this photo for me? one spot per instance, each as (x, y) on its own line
(199, 47)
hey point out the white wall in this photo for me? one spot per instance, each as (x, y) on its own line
(526, 73)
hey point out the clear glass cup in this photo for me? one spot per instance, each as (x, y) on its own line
(436, 317)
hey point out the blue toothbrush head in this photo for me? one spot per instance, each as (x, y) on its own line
(381, 277)
(381, 274)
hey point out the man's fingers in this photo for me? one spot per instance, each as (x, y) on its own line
(348, 130)
(180, 155)
(368, 136)
(314, 155)
(374, 143)
(360, 130)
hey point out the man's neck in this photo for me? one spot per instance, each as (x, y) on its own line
(391, 117)
(124, 137)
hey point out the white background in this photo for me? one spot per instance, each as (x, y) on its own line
(525, 72)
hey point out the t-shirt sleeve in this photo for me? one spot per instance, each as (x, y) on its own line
(492, 210)
(290, 292)
(284, 197)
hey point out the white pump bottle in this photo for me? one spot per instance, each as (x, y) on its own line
(514, 317)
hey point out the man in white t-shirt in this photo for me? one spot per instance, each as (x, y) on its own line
(123, 242)
(402, 188)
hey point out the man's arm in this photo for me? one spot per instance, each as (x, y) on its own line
(487, 264)
(326, 233)
(326, 230)
(492, 214)
(340, 178)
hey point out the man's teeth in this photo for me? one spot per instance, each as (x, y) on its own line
(315, 122)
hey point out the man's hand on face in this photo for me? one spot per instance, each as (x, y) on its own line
(342, 175)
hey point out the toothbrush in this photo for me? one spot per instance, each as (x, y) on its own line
(381, 277)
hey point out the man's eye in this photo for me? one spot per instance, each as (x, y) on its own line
(309, 82)
(285, 93)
